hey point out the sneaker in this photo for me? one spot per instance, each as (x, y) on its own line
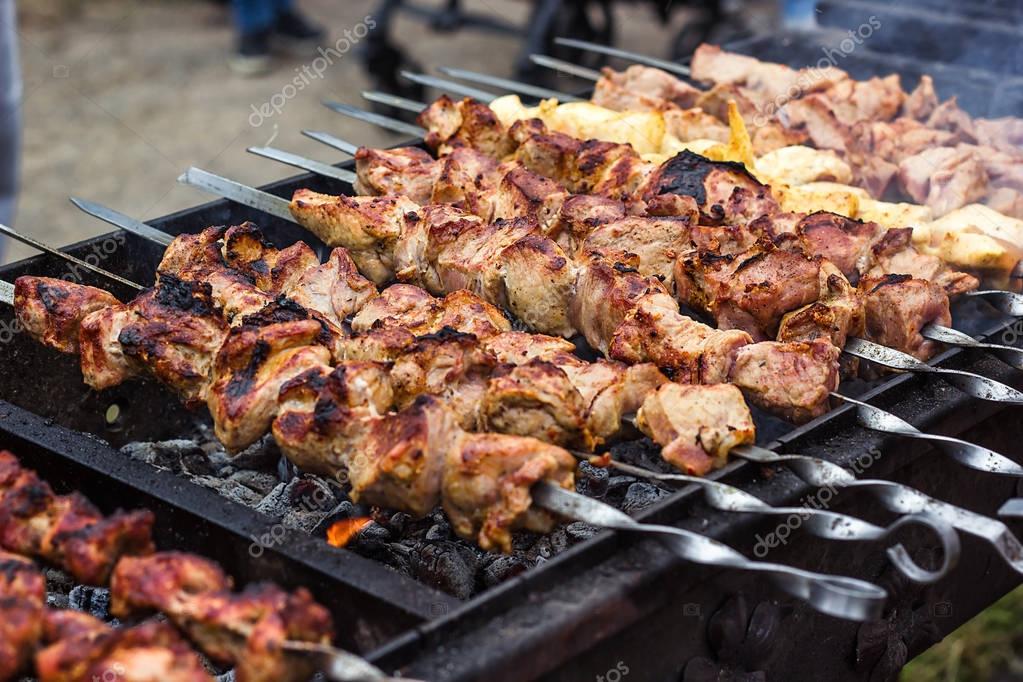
(296, 33)
(252, 58)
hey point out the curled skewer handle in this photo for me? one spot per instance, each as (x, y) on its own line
(1008, 302)
(839, 596)
(1012, 508)
(897, 498)
(1010, 355)
(969, 383)
(968, 454)
(823, 523)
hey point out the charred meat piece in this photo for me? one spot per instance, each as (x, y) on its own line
(250, 368)
(898, 307)
(406, 171)
(52, 310)
(22, 604)
(83, 648)
(725, 191)
(272, 270)
(835, 316)
(468, 123)
(792, 379)
(66, 530)
(487, 481)
(103, 360)
(246, 629)
(696, 426)
(750, 291)
(466, 177)
(524, 194)
(410, 307)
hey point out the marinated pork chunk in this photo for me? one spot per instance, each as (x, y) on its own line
(22, 605)
(466, 179)
(466, 123)
(334, 289)
(251, 366)
(271, 269)
(836, 315)
(897, 307)
(83, 648)
(524, 194)
(245, 629)
(65, 530)
(792, 379)
(656, 241)
(641, 88)
(751, 290)
(487, 481)
(944, 178)
(725, 192)
(52, 310)
(410, 307)
(367, 226)
(696, 426)
(407, 171)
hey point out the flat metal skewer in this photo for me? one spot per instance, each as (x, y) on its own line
(331, 141)
(1009, 302)
(237, 192)
(395, 101)
(896, 497)
(376, 119)
(818, 522)
(125, 222)
(969, 383)
(968, 454)
(565, 67)
(508, 85)
(1010, 355)
(449, 86)
(661, 64)
(839, 596)
(324, 169)
(46, 248)
(6, 292)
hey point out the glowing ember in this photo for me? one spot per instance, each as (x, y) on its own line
(342, 532)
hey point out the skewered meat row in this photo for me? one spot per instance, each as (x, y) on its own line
(244, 629)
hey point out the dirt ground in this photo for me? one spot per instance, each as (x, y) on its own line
(121, 97)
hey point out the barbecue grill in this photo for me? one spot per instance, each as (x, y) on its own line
(579, 604)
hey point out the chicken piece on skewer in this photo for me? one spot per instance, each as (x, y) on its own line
(416, 310)
(22, 605)
(697, 425)
(52, 312)
(66, 530)
(83, 648)
(246, 629)
(466, 123)
(335, 289)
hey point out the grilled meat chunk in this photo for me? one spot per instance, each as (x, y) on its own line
(836, 315)
(272, 270)
(66, 530)
(466, 179)
(898, 307)
(657, 242)
(104, 362)
(83, 648)
(487, 481)
(245, 629)
(750, 291)
(22, 602)
(410, 307)
(451, 124)
(334, 289)
(791, 379)
(641, 88)
(697, 426)
(52, 310)
(250, 368)
(406, 171)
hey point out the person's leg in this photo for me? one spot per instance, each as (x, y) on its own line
(10, 112)
(298, 33)
(254, 21)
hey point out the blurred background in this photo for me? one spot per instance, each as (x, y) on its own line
(120, 97)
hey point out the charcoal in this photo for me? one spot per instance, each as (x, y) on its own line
(591, 480)
(167, 454)
(92, 600)
(305, 521)
(445, 566)
(311, 493)
(232, 490)
(439, 531)
(259, 481)
(503, 567)
(579, 531)
(640, 496)
(398, 522)
(548, 546)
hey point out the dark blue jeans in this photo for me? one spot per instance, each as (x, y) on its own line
(257, 15)
(10, 112)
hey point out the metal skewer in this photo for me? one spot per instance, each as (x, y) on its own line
(1010, 355)
(449, 86)
(1012, 508)
(1008, 302)
(46, 248)
(969, 383)
(126, 223)
(393, 101)
(661, 64)
(819, 522)
(297, 161)
(839, 596)
(6, 292)
(331, 141)
(968, 454)
(376, 119)
(565, 67)
(896, 497)
(508, 84)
